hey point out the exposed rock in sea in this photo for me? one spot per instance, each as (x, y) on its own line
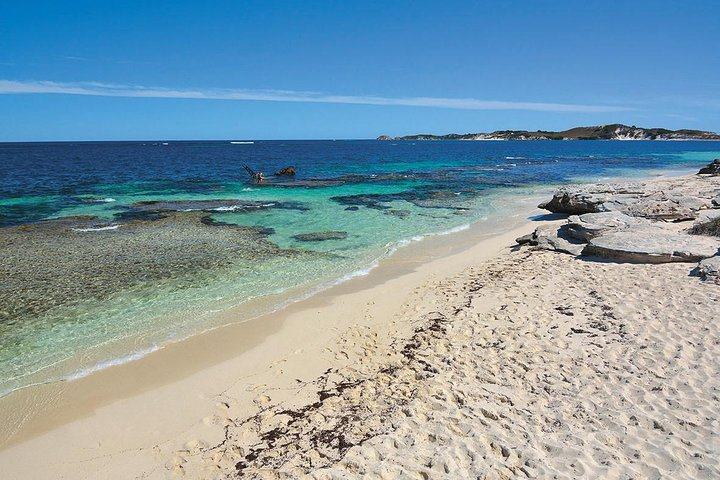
(320, 236)
(219, 205)
(651, 245)
(709, 269)
(286, 172)
(398, 213)
(713, 168)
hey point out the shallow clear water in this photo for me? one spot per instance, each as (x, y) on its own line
(92, 272)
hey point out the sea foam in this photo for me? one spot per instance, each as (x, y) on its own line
(96, 229)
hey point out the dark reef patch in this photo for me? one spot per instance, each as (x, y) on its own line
(59, 263)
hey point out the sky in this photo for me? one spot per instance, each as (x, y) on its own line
(142, 70)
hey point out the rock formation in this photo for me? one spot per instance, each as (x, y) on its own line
(642, 223)
(709, 269)
(713, 168)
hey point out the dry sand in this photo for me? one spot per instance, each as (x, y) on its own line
(490, 362)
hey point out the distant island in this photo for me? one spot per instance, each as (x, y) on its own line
(601, 132)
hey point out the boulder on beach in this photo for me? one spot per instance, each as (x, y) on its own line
(712, 168)
(651, 245)
(549, 237)
(320, 236)
(709, 269)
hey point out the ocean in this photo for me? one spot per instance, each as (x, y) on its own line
(109, 250)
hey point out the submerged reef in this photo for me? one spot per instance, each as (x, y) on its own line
(69, 260)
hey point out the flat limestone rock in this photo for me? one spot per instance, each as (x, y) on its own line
(707, 215)
(661, 209)
(590, 225)
(652, 245)
(549, 237)
(709, 269)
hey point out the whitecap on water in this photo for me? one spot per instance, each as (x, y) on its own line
(97, 229)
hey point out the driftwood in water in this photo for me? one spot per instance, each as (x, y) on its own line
(257, 177)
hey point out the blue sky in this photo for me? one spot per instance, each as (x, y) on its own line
(91, 70)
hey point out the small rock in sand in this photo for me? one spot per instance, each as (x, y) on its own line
(709, 269)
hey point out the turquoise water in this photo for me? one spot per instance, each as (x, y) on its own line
(111, 250)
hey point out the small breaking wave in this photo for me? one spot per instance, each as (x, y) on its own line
(233, 208)
(110, 363)
(96, 229)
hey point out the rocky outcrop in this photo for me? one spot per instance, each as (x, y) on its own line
(579, 199)
(590, 225)
(635, 222)
(709, 227)
(713, 168)
(286, 172)
(651, 245)
(320, 236)
(709, 269)
(549, 237)
(672, 199)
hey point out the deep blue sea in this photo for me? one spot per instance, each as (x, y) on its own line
(110, 250)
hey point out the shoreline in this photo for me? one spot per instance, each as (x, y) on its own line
(259, 307)
(139, 378)
(268, 305)
(171, 407)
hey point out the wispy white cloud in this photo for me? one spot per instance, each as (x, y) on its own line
(136, 91)
(74, 58)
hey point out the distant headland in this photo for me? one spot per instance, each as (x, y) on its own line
(601, 132)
